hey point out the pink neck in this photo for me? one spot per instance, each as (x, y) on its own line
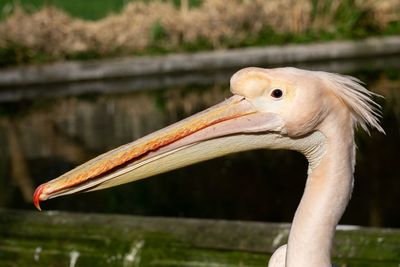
(327, 192)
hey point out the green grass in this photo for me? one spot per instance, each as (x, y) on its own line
(85, 9)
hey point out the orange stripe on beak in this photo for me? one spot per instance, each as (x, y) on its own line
(227, 110)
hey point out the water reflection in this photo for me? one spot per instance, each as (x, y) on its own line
(42, 138)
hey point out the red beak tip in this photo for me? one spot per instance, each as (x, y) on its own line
(36, 197)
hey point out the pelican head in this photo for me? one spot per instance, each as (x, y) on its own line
(283, 108)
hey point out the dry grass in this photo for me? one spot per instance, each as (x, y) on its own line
(141, 25)
(382, 12)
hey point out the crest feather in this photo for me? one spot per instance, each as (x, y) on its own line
(365, 111)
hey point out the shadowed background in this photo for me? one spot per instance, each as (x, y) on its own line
(44, 137)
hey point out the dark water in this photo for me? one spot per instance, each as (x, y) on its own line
(41, 138)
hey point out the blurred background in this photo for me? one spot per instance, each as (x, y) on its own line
(42, 137)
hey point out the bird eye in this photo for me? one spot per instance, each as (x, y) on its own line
(277, 93)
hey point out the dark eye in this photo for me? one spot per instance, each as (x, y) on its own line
(277, 93)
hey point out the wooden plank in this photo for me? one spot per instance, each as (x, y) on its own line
(74, 71)
(74, 239)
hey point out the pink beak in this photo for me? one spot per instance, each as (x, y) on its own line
(175, 146)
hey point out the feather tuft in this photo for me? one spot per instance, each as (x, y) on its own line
(365, 111)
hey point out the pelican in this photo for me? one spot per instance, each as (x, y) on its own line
(313, 112)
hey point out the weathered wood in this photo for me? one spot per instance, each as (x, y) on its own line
(73, 239)
(11, 93)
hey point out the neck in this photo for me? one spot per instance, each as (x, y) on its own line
(327, 192)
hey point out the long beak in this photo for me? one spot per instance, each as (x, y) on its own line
(203, 136)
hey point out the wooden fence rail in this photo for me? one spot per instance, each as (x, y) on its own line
(72, 239)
